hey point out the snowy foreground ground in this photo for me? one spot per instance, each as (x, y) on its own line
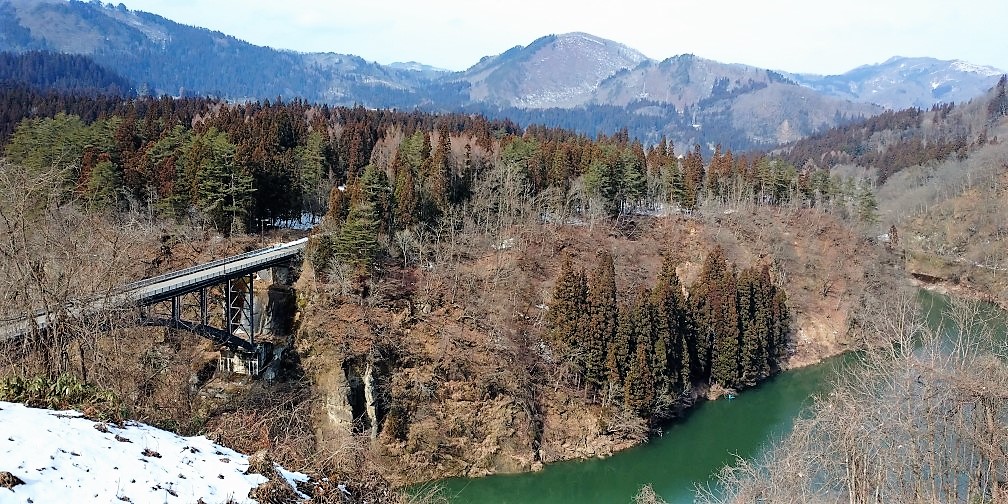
(62, 457)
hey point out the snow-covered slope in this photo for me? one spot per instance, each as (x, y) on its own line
(902, 82)
(62, 457)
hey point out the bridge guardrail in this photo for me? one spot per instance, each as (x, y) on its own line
(139, 284)
(266, 255)
(193, 269)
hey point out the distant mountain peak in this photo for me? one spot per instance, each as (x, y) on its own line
(584, 40)
(579, 34)
(553, 71)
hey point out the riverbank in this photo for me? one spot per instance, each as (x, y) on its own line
(687, 454)
(947, 288)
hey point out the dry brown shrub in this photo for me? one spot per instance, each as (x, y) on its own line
(8, 480)
(647, 495)
(918, 418)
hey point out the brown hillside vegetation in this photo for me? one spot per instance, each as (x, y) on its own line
(451, 363)
(952, 220)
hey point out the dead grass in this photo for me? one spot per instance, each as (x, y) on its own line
(8, 480)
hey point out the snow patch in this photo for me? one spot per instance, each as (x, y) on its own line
(63, 457)
(967, 67)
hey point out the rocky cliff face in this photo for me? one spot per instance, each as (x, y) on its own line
(275, 301)
(431, 406)
(442, 371)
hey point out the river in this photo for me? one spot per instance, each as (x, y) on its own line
(689, 452)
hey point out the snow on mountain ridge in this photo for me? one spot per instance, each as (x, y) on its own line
(901, 82)
(965, 66)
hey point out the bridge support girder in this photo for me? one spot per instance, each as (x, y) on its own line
(239, 297)
(204, 318)
(176, 308)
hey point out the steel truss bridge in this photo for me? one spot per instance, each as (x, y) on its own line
(235, 273)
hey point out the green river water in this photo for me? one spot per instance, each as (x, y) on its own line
(689, 453)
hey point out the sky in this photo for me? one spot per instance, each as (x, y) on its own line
(790, 35)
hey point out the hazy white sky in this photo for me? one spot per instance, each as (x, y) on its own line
(790, 35)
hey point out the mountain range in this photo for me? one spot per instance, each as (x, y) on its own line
(574, 80)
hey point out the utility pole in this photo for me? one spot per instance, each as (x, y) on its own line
(233, 206)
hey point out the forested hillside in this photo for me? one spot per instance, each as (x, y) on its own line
(61, 72)
(444, 233)
(245, 166)
(895, 140)
(932, 168)
(160, 56)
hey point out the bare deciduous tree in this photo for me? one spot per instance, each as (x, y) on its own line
(62, 258)
(918, 418)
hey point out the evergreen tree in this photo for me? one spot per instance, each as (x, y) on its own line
(560, 169)
(50, 143)
(438, 180)
(753, 310)
(670, 354)
(105, 183)
(339, 206)
(714, 304)
(724, 330)
(638, 394)
(780, 324)
(565, 313)
(693, 177)
(520, 154)
(633, 185)
(312, 174)
(405, 195)
(164, 157)
(660, 366)
(639, 386)
(224, 190)
(605, 179)
(375, 190)
(785, 182)
(600, 320)
(618, 352)
(356, 242)
(672, 182)
(703, 304)
(867, 206)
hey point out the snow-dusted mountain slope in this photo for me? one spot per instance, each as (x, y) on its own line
(553, 71)
(902, 82)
